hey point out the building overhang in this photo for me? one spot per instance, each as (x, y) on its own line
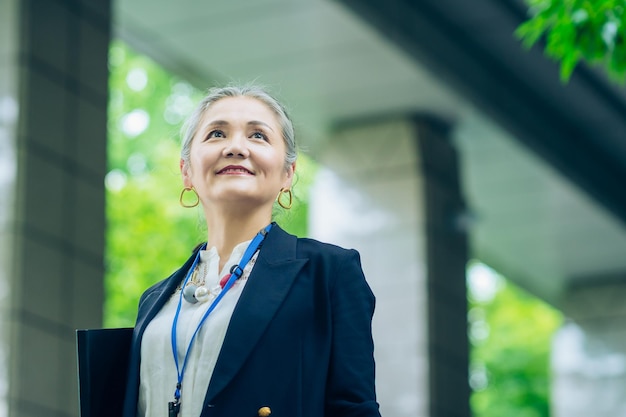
(543, 163)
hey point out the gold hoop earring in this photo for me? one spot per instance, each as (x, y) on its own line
(285, 192)
(182, 194)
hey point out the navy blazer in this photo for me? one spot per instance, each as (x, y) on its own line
(299, 340)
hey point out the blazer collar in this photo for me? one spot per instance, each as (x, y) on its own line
(282, 248)
(271, 278)
(163, 291)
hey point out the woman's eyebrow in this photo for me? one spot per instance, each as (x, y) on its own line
(259, 123)
(218, 123)
(221, 123)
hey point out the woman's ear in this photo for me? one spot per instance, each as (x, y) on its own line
(291, 169)
(185, 174)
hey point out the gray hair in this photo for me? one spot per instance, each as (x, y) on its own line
(190, 128)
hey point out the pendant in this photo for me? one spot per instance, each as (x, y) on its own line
(224, 280)
(201, 294)
(189, 293)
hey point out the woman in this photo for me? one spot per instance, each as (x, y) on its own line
(257, 321)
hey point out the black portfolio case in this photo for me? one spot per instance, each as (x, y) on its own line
(102, 367)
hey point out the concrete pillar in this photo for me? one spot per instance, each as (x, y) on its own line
(391, 190)
(53, 103)
(589, 351)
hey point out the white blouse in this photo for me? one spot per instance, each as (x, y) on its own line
(158, 371)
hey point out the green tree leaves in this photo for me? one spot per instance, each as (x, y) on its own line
(579, 30)
(148, 234)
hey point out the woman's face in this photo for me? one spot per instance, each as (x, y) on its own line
(238, 155)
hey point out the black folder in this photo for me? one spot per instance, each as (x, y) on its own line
(103, 356)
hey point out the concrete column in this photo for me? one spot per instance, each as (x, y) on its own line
(53, 103)
(391, 190)
(589, 351)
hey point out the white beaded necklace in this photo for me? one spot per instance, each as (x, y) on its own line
(196, 291)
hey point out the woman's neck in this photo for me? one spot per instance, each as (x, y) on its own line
(227, 230)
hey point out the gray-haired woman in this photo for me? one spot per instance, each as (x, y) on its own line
(257, 321)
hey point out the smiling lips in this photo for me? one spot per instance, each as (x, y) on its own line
(234, 170)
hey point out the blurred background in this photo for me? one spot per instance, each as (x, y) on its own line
(481, 180)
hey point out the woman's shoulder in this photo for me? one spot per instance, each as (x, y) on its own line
(329, 257)
(306, 247)
(316, 247)
(340, 267)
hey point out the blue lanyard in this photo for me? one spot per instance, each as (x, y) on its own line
(236, 272)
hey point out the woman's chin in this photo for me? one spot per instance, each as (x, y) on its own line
(242, 199)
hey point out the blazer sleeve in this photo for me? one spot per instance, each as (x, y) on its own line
(350, 389)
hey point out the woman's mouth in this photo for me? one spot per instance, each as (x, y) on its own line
(234, 170)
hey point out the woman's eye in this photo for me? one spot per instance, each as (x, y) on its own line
(215, 134)
(259, 135)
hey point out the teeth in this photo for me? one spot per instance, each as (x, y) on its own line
(235, 170)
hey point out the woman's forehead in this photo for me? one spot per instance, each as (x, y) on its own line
(239, 109)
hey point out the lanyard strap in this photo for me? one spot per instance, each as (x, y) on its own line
(236, 272)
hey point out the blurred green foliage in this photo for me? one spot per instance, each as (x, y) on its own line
(149, 235)
(589, 30)
(510, 334)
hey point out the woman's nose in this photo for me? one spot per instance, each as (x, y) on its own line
(237, 147)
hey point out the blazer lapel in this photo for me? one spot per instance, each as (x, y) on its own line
(149, 308)
(271, 278)
(161, 294)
